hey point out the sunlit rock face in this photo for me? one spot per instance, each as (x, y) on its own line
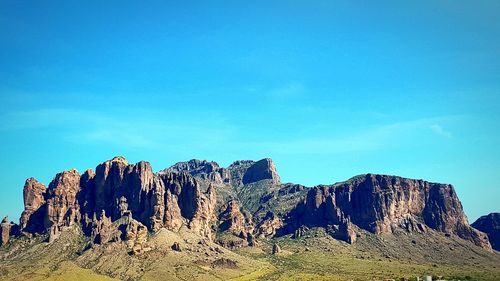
(32, 217)
(381, 204)
(252, 203)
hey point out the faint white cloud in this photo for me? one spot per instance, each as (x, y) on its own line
(289, 91)
(374, 139)
(440, 131)
(137, 129)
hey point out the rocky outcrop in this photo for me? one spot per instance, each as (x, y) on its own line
(4, 231)
(238, 169)
(173, 219)
(276, 249)
(116, 190)
(176, 247)
(204, 216)
(135, 235)
(122, 202)
(32, 217)
(269, 225)
(381, 204)
(232, 219)
(205, 170)
(490, 224)
(103, 230)
(187, 203)
(261, 170)
(62, 206)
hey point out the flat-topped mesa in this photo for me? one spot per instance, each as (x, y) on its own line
(202, 169)
(382, 204)
(490, 224)
(262, 170)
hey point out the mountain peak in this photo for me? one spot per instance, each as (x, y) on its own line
(119, 159)
(263, 169)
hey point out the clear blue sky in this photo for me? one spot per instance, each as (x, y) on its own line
(327, 89)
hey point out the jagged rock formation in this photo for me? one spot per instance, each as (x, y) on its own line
(62, 206)
(269, 225)
(203, 169)
(32, 218)
(381, 204)
(4, 231)
(123, 202)
(116, 189)
(233, 220)
(490, 224)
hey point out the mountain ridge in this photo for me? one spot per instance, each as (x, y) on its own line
(243, 206)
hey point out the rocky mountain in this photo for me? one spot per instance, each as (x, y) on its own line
(383, 204)
(243, 205)
(490, 224)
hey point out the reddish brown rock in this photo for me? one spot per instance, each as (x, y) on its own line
(103, 231)
(196, 207)
(204, 215)
(232, 219)
(62, 206)
(108, 180)
(5, 231)
(173, 219)
(34, 209)
(377, 203)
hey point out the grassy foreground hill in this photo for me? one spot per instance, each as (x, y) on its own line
(314, 256)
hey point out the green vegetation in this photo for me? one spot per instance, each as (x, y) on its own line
(315, 256)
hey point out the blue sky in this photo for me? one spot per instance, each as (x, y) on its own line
(328, 89)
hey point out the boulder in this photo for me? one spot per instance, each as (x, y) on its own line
(276, 249)
(176, 247)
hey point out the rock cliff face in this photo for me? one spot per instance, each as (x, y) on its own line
(261, 170)
(233, 220)
(382, 204)
(32, 218)
(490, 224)
(62, 206)
(123, 202)
(118, 189)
